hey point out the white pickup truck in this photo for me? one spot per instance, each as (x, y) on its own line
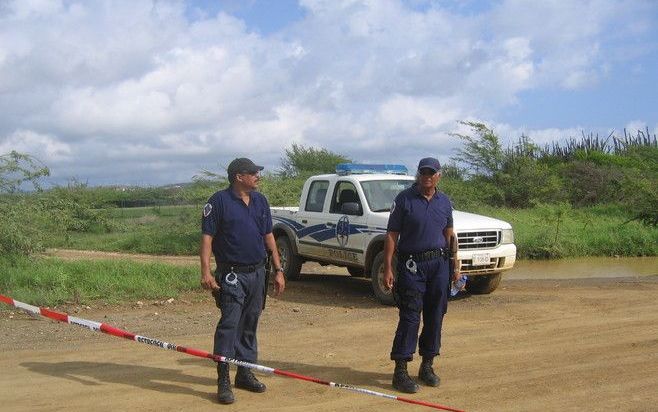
(341, 220)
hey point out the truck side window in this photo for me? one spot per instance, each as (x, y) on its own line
(345, 192)
(316, 195)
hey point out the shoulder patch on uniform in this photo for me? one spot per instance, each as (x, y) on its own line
(393, 206)
(207, 209)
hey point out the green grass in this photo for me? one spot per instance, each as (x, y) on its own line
(51, 281)
(545, 231)
(550, 231)
(137, 212)
(162, 230)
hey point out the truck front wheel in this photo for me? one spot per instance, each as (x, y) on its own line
(483, 284)
(382, 293)
(290, 262)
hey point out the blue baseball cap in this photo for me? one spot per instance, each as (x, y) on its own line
(429, 163)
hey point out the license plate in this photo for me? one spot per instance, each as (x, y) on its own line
(480, 259)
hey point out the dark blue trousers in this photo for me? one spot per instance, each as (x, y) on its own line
(241, 302)
(424, 292)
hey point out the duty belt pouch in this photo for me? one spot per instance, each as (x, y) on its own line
(216, 292)
(220, 272)
(396, 296)
(406, 298)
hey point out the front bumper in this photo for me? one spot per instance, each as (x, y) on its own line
(487, 261)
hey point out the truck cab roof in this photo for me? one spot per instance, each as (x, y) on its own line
(363, 177)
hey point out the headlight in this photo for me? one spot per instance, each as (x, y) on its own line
(507, 236)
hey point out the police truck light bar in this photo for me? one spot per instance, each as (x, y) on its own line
(111, 330)
(343, 169)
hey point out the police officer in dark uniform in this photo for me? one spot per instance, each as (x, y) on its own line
(237, 227)
(420, 224)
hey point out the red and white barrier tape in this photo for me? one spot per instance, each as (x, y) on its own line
(111, 330)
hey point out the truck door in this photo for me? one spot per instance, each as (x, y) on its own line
(347, 244)
(313, 229)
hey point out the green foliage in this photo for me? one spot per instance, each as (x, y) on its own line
(200, 190)
(452, 171)
(467, 194)
(300, 160)
(591, 183)
(578, 148)
(283, 191)
(524, 180)
(49, 281)
(585, 173)
(640, 192)
(160, 230)
(559, 204)
(72, 208)
(481, 152)
(513, 177)
(18, 168)
(23, 225)
(559, 231)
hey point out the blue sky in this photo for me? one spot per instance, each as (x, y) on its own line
(151, 92)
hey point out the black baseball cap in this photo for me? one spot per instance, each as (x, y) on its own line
(242, 165)
(429, 163)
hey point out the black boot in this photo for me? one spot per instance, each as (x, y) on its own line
(245, 379)
(224, 392)
(426, 373)
(401, 379)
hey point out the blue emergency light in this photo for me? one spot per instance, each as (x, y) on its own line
(360, 168)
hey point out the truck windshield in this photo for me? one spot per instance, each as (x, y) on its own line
(381, 193)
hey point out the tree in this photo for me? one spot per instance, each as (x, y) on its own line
(20, 219)
(17, 168)
(512, 177)
(308, 160)
(481, 152)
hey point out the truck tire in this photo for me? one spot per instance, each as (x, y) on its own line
(355, 271)
(483, 284)
(382, 294)
(290, 262)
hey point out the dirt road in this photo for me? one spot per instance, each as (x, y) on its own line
(533, 345)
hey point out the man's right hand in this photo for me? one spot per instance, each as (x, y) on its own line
(208, 282)
(388, 279)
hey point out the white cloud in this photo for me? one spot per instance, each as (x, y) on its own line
(417, 115)
(635, 125)
(47, 148)
(120, 89)
(567, 36)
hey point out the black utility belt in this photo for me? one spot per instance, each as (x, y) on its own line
(239, 267)
(426, 255)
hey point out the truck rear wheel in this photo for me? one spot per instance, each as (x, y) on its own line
(382, 293)
(290, 262)
(483, 284)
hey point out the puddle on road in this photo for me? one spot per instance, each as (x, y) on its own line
(593, 267)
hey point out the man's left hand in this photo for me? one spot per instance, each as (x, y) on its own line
(279, 283)
(456, 275)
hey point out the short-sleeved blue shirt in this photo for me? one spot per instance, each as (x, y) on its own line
(420, 222)
(237, 229)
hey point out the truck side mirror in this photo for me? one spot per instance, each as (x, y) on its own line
(351, 208)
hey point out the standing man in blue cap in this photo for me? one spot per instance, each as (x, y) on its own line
(237, 227)
(420, 225)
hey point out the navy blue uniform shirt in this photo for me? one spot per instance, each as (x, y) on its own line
(420, 222)
(237, 229)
